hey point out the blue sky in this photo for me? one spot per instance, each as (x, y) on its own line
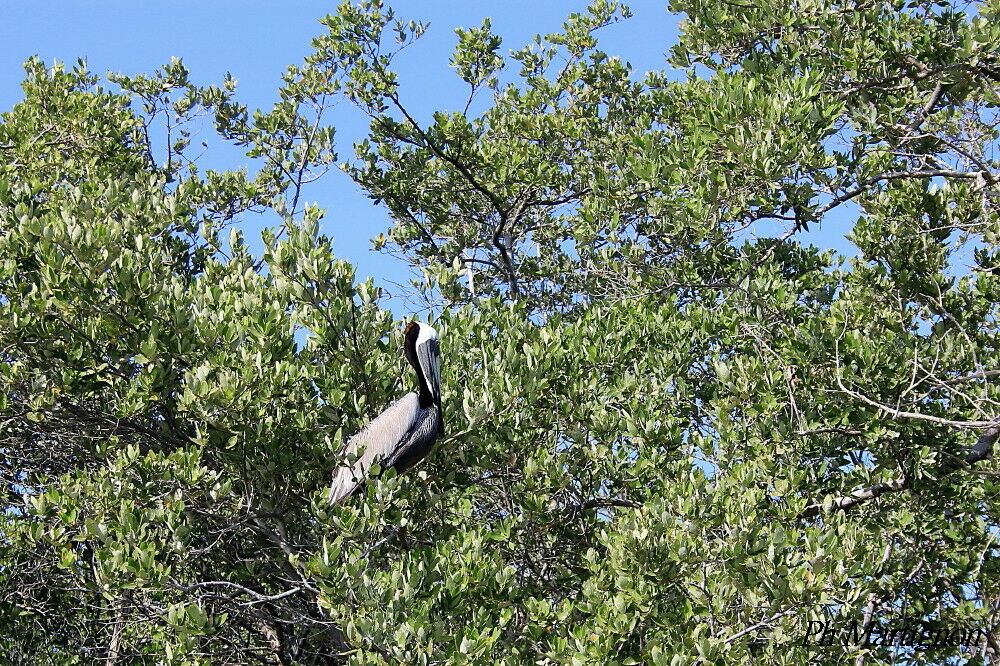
(255, 41)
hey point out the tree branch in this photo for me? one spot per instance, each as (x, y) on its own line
(845, 502)
(604, 502)
(982, 374)
(981, 450)
(896, 413)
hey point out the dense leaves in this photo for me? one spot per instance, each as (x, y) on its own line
(677, 432)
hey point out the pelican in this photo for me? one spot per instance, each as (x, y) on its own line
(404, 433)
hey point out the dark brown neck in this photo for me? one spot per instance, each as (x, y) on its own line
(425, 397)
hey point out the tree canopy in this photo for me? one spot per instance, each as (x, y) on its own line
(677, 430)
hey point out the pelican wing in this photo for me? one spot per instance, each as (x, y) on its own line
(376, 442)
(419, 441)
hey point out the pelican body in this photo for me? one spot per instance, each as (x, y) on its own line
(404, 433)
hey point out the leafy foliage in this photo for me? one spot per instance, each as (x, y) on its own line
(677, 432)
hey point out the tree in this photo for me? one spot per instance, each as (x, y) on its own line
(677, 431)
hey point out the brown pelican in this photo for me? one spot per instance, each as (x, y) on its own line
(403, 434)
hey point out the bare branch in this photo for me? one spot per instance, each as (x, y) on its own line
(845, 502)
(603, 502)
(258, 597)
(896, 413)
(983, 374)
